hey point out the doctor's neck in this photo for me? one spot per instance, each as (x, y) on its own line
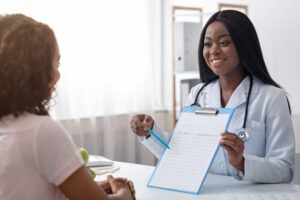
(228, 83)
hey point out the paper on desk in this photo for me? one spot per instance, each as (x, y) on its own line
(193, 146)
(95, 161)
(264, 192)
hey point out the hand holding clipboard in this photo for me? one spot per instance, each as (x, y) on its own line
(194, 142)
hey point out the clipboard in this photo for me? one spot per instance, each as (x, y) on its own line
(193, 147)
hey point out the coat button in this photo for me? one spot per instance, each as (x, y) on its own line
(221, 165)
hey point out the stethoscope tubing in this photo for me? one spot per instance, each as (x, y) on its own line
(243, 134)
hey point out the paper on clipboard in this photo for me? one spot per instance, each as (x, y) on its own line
(193, 144)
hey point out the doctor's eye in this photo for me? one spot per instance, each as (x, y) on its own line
(224, 43)
(207, 44)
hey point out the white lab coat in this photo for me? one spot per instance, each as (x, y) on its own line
(270, 151)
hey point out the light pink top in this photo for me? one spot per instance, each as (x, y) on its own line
(36, 156)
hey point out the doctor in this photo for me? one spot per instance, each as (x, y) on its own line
(234, 75)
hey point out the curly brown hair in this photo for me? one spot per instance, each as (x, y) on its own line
(27, 50)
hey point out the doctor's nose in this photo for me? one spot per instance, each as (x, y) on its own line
(214, 49)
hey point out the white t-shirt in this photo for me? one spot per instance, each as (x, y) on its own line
(36, 156)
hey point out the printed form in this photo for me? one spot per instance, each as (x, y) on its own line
(193, 145)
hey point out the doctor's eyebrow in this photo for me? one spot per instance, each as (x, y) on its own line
(220, 36)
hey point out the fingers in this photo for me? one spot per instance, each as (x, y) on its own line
(113, 184)
(235, 148)
(125, 180)
(116, 184)
(105, 186)
(139, 123)
(235, 144)
(119, 184)
(148, 122)
(110, 179)
(131, 187)
(137, 126)
(121, 179)
(128, 182)
(229, 150)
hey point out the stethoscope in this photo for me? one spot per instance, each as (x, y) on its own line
(243, 134)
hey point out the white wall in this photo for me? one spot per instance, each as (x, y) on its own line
(278, 27)
(103, 45)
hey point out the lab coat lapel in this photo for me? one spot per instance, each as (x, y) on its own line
(238, 97)
(240, 94)
(214, 95)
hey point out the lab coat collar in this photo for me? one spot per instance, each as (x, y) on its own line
(215, 93)
(238, 97)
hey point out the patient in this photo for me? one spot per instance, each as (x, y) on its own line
(38, 158)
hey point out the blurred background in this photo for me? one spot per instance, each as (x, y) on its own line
(123, 57)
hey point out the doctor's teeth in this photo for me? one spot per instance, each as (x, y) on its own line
(215, 61)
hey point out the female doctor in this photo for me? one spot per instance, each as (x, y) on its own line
(234, 75)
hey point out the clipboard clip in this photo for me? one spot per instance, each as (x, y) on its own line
(207, 111)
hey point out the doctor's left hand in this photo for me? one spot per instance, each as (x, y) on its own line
(235, 148)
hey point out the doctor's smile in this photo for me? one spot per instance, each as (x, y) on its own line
(217, 62)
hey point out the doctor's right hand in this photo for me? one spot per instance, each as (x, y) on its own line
(140, 123)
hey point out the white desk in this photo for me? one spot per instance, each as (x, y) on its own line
(215, 187)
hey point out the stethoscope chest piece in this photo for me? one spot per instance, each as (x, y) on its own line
(243, 135)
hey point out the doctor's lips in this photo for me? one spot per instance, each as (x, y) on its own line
(217, 61)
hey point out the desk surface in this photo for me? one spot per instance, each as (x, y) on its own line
(215, 187)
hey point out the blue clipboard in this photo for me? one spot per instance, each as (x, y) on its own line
(196, 110)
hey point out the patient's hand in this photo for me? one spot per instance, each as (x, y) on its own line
(107, 188)
(121, 187)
